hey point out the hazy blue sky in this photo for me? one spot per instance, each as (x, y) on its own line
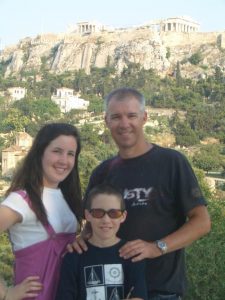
(22, 18)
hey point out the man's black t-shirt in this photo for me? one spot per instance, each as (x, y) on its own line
(159, 189)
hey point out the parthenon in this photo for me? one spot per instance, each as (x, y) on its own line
(179, 24)
(89, 27)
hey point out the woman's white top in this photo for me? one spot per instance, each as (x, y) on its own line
(30, 230)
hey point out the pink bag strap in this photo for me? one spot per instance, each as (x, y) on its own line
(48, 227)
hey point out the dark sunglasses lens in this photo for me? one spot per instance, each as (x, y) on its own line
(115, 213)
(97, 213)
(112, 213)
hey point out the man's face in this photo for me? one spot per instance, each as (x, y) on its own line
(125, 121)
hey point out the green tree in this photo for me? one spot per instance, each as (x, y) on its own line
(87, 163)
(205, 268)
(185, 136)
(195, 58)
(219, 77)
(208, 159)
(168, 52)
(15, 121)
(6, 259)
(96, 104)
(38, 110)
(178, 75)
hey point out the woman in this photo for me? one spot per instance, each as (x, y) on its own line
(42, 208)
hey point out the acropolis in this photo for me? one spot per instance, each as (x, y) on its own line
(175, 24)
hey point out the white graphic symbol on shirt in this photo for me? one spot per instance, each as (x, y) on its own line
(115, 272)
(93, 278)
(94, 293)
(114, 295)
(138, 196)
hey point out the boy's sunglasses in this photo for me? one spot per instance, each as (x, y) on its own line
(112, 213)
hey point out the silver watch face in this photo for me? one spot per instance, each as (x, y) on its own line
(162, 246)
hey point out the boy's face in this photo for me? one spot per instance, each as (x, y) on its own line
(104, 229)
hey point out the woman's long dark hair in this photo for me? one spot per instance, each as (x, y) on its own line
(29, 176)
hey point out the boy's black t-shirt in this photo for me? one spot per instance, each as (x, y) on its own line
(99, 273)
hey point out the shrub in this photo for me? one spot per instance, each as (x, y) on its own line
(205, 259)
(195, 58)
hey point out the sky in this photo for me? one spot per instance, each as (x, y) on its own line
(28, 18)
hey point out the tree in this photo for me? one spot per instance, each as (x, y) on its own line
(178, 75)
(185, 136)
(208, 159)
(89, 136)
(96, 104)
(168, 52)
(204, 258)
(45, 109)
(15, 121)
(6, 259)
(87, 163)
(195, 58)
(218, 75)
(38, 110)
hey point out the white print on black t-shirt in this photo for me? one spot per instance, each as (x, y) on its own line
(104, 282)
(138, 196)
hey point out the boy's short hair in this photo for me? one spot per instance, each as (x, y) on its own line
(104, 188)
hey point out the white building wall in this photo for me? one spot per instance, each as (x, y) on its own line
(17, 93)
(66, 101)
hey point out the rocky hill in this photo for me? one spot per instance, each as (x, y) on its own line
(152, 49)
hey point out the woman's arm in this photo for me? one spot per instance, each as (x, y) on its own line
(31, 286)
(28, 288)
(8, 217)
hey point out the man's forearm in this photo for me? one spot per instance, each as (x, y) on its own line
(198, 225)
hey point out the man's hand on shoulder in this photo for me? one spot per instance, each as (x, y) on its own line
(139, 249)
(79, 245)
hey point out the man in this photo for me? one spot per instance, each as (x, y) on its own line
(165, 207)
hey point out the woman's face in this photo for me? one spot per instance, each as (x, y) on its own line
(58, 160)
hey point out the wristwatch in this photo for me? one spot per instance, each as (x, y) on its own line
(162, 246)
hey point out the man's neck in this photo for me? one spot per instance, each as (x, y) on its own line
(127, 153)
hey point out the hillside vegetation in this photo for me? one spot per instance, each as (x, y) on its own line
(197, 126)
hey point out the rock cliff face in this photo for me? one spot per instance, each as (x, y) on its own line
(158, 50)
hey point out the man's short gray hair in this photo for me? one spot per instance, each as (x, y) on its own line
(121, 93)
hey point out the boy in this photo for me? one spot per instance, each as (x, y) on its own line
(100, 273)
